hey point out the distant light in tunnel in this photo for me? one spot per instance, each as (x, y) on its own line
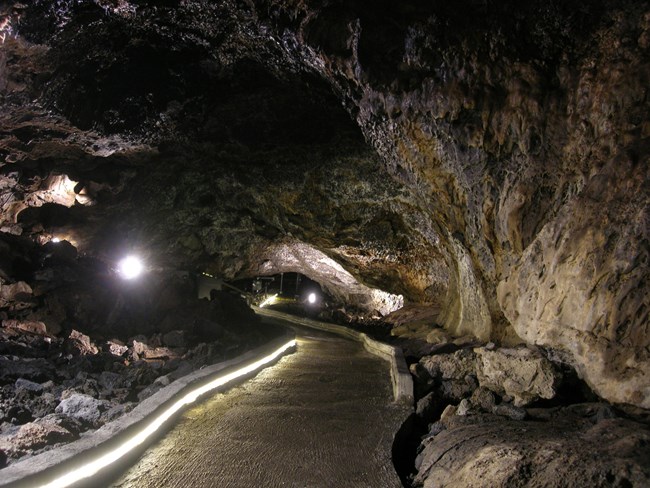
(56, 239)
(311, 298)
(130, 267)
(92, 467)
(269, 300)
(332, 277)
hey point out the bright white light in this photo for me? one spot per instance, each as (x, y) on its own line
(93, 467)
(130, 267)
(311, 298)
(56, 239)
(269, 300)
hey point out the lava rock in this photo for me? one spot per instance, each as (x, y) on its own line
(16, 296)
(438, 336)
(426, 406)
(174, 338)
(18, 414)
(110, 381)
(568, 451)
(30, 386)
(116, 411)
(454, 391)
(34, 435)
(82, 407)
(464, 407)
(116, 348)
(450, 366)
(80, 344)
(43, 405)
(483, 399)
(30, 326)
(521, 373)
(508, 410)
(143, 351)
(32, 369)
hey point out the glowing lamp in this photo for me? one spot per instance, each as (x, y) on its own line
(269, 300)
(55, 239)
(311, 298)
(130, 267)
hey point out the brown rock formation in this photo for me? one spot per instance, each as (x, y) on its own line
(510, 187)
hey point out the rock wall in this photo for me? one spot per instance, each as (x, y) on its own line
(511, 189)
(526, 130)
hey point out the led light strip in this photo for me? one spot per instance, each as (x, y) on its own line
(93, 467)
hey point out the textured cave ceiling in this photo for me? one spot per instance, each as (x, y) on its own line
(487, 158)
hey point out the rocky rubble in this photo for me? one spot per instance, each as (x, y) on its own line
(52, 391)
(516, 418)
(68, 363)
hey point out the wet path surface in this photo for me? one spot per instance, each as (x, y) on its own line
(322, 417)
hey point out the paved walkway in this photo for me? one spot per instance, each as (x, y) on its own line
(321, 417)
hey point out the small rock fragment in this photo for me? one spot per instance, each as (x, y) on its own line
(464, 407)
(508, 410)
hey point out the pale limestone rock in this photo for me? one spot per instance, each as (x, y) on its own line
(454, 366)
(466, 311)
(580, 287)
(520, 373)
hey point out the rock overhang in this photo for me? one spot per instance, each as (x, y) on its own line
(481, 149)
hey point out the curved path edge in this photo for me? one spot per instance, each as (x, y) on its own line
(399, 372)
(45, 468)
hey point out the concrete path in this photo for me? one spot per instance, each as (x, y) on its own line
(321, 417)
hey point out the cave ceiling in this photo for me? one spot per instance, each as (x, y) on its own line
(196, 142)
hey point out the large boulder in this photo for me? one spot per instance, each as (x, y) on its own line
(520, 373)
(569, 450)
(450, 366)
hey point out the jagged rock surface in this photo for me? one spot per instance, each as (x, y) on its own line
(512, 183)
(517, 373)
(568, 451)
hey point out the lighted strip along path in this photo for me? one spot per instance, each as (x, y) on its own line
(86, 457)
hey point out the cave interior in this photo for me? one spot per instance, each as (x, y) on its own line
(467, 180)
